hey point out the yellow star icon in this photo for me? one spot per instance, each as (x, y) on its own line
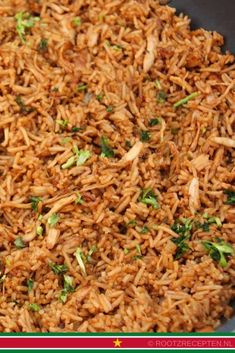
(117, 343)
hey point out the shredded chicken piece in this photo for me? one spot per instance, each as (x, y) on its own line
(60, 204)
(92, 36)
(52, 237)
(133, 152)
(194, 200)
(200, 162)
(225, 141)
(150, 55)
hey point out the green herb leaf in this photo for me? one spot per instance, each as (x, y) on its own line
(230, 198)
(30, 283)
(23, 22)
(53, 219)
(219, 251)
(186, 99)
(79, 200)
(92, 250)
(144, 136)
(82, 157)
(43, 45)
(70, 163)
(161, 97)
(68, 283)
(182, 246)
(128, 144)
(213, 220)
(34, 307)
(63, 295)
(109, 108)
(105, 149)
(100, 96)
(139, 253)
(144, 230)
(76, 129)
(154, 122)
(39, 230)
(63, 123)
(126, 251)
(158, 84)
(81, 87)
(182, 227)
(23, 108)
(132, 223)
(58, 269)
(79, 256)
(19, 243)
(34, 202)
(148, 197)
(77, 21)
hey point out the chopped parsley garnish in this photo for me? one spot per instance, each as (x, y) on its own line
(154, 122)
(161, 97)
(80, 157)
(106, 151)
(186, 99)
(158, 84)
(148, 197)
(70, 163)
(58, 269)
(66, 140)
(109, 108)
(63, 123)
(81, 87)
(80, 259)
(24, 21)
(77, 21)
(230, 197)
(30, 283)
(68, 288)
(76, 129)
(144, 230)
(19, 243)
(183, 228)
(117, 47)
(219, 251)
(43, 45)
(132, 223)
(213, 220)
(126, 251)
(144, 136)
(128, 144)
(23, 108)
(79, 200)
(34, 307)
(39, 230)
(100, 96)
(139, 253)
(182, 246)
(53, 219)
(34, 202)
(92, 250)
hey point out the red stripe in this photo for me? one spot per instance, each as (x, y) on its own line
(108, 342)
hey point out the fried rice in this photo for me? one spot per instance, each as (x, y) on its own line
(116, 169)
